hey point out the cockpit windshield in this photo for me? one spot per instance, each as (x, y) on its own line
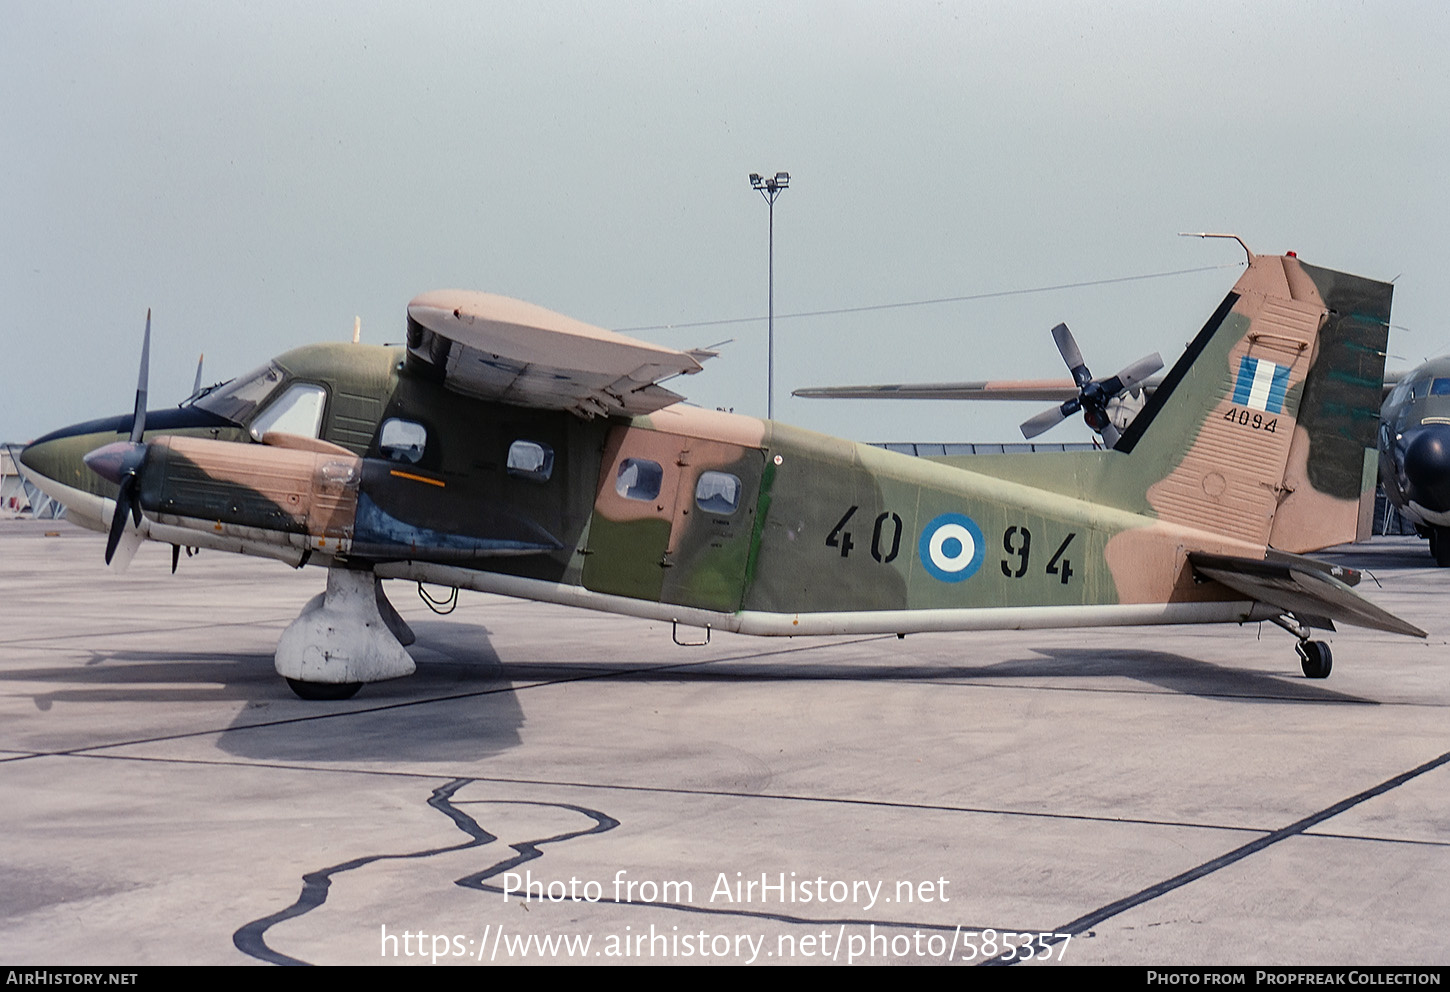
(236, 400)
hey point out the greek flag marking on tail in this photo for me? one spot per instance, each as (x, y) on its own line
(1261, 385)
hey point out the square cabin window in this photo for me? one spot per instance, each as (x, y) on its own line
(718, 492)
(531, 460)
(403, 440)
(639, 478)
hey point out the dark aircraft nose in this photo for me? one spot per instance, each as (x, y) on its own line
(1427, 467)
(56, 462)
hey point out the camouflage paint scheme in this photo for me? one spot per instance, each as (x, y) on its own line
(1259, 438)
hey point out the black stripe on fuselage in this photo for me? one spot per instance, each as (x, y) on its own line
(169, 419)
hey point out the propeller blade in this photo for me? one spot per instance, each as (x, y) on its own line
(175, 557)
(1046, 420)
(196, 386)
(138, 418)
(130, 542)
(118, 518)
(1071, 354)
(1137, 372)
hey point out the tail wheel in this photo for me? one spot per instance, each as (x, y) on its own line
(1315, 658)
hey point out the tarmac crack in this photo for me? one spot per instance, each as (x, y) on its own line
(250, 939)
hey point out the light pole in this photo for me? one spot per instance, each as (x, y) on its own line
(770, 188)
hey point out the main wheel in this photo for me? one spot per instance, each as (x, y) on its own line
(1316, 659)
(324, 690)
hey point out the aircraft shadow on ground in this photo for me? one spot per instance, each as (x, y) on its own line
(1165, 670)
(458, 668)
(387, 720)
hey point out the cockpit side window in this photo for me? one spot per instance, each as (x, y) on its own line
(403, 440)
(297, 411)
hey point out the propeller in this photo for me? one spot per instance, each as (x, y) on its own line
(1093, 395)
(120, 462)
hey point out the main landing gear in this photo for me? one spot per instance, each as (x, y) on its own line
(1315, 658)
(344, 637)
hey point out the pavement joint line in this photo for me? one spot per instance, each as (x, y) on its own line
(145, 630)
(725, 794)
(1299, 827)
(701, 793)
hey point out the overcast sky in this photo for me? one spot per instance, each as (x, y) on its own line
(260, 173)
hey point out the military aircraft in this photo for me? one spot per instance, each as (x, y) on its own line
(509, 449)
(1414, 452)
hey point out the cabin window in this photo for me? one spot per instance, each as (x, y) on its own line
(296, 411)
(639, 478)
(718, 492)
(531, 460)
(403, 440)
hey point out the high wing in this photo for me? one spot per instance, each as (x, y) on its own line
(497, 348)
(1312, 591)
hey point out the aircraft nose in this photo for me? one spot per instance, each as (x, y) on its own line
(57, 463)
(58, 459)
(1427, 467)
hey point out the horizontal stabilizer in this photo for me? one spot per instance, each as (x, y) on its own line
(1307, 588)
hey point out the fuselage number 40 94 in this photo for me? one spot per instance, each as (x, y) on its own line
(886, 545)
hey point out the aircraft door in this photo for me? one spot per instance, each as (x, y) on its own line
(634, 509)
(714, 524)
(673, 519)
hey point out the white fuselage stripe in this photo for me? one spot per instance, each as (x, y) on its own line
(857, 622)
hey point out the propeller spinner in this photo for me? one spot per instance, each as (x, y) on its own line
(1093, 395)
(120, 461)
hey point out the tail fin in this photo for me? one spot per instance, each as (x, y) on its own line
(1264, 430)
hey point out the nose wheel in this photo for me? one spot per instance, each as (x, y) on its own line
(1315, 658)
(324, 690)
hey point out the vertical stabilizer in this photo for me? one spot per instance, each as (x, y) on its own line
(1259, 432)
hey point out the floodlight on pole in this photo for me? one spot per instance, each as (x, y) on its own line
(770, 187)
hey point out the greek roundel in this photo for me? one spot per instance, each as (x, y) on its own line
(951, 547)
